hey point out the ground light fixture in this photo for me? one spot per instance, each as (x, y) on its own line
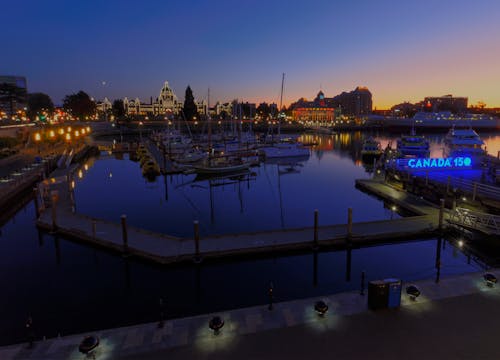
(216, 323)
(88, 345)
(490, 279)
(413, 292)
(321, 308)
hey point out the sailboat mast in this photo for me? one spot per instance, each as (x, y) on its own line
(281, 103)
(209, 124)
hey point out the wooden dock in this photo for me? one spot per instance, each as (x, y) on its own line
(164, 249)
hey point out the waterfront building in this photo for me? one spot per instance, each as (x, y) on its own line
(457, 105)
(165, 104)
(13, 95)
(223, 108)
(354, 103)
(320, 109)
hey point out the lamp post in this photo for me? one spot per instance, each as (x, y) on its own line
(38, 138)
(140, 131)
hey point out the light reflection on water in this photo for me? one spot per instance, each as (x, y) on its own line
(69, 287)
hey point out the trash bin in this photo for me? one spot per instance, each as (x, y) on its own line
(394, 293)
(378, 293)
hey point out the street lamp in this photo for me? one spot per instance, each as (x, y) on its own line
(38, 137)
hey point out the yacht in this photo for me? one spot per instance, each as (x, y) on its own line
(463, 142)
(371, 149)
(413, 145)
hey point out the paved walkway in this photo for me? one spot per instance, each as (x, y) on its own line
(455, 318)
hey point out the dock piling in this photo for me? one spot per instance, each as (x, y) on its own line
(448, 182)
(362, 291)
(474, 191)
(441, 214)
(54, 195)
(196, 226)
(94, 223)
(124, 233)
(37, 204)
(349, 224)
(315, 244)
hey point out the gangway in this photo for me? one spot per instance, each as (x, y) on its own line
(475, 220)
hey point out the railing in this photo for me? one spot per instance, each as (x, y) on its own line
(476, 220)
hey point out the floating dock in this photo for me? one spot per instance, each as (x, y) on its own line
(59, 217)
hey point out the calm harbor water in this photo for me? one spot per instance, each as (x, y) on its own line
(69, 287)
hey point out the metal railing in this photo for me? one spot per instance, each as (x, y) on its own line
(475, 220)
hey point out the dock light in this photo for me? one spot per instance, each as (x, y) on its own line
(60, 131)
(464, 199)
(393, 208)
(196, 122)
(83, 131)
(86, 167)
(77, 133)
(52, 133)
(38, 137)
(216, 323)
(413, 292)
(460, 243)
(69, 128)
(88, 129)
(490, 279)
(68, 137)
(80, 174)
(321, 308)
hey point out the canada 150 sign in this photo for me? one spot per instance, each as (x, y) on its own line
(440, 163)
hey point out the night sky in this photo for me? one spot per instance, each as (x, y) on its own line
(401, 50)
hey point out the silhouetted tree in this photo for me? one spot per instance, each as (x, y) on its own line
(38, 102)
(118, 109)
(79, 104)
(12, 94)
(190, 110)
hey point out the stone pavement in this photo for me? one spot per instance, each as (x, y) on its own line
(460, 304)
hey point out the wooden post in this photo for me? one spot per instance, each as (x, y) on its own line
(94, 223)
(474, 191)
(448, 185)
(349, 224)
(54, 197)
(315, 229)
(441, 214)
(427, 178)
(124, 233)
(37, 204)
(196, 226)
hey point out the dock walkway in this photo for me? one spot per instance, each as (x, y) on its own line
(164, 249)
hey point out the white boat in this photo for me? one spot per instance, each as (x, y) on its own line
(413, 145)
(463, 142)
(284, 150)
(371, 149)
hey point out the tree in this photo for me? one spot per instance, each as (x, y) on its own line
(12, 94)
(79, 105)
(38, 102)
(190, 109)
(118, 109)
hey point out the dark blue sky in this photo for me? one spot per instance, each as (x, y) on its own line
(401, 50)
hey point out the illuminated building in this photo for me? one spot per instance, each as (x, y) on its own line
(165, 104)
(457, 105)
(15, 94)
(320, 109)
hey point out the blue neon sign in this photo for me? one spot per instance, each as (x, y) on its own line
(440, 163)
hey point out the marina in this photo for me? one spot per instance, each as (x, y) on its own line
(222, 204)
